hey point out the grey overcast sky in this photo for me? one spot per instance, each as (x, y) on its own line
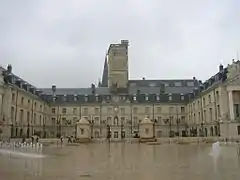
(64, 42)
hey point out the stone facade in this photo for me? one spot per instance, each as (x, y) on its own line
(114, 109)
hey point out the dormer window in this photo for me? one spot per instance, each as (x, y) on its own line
(134, 97)
(170, 97)
(146, 97)
(54, 98)
(107, 97)
(65, 98)
(182, 96)
(86, 98)
(97, 98)
(158, 98)
(13, 80)
(75, 97)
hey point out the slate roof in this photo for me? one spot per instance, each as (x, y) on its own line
(141, 88)
(159, 82)
(106, 90)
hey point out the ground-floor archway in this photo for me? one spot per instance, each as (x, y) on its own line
(211, 131)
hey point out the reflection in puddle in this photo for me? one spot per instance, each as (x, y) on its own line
(124, 161)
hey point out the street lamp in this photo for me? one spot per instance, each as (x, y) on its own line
(186, 129)
(218, 126)
(91, 123)
(138, 129)
(108, 132)
(170, 126)
(178, 122)
(28, 129)
(154, 128)
(12, 130)
(59, 129)
(202, 124)
(44, 130)
(121, 128)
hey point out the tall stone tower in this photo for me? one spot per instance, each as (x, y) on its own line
(117, 60)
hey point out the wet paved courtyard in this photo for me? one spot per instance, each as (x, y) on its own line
(103, 161)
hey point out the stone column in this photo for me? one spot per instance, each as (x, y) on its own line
(230, 102)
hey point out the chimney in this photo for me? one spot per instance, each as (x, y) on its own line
(9, 68)
(220, 68)
(54, 88)
(93, 88)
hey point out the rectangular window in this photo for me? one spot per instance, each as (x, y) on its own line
(217, 96)
(85, 110)
(122, 110)
(147, 110)
(159, 119)
(210, 114)
(135, 110)
(159, 109)
(97, 120)
(21, 116)
(109, 120)
(53, 110)
(97, 110)
(28, 117)
(34, 118)
(209, 98)
(74, 110)
(75, 98)
(22, 101)
(82, 131)
(236, 110)
(64, 110)
(12, 113)
(218, 111)
(64, 120)
(13, 97)
(205, 115)
(182, 109)
(115, 134)
(182, 97)
(74, 120)
(122, 120)
(182, 119)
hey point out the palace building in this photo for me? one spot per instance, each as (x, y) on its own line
(117, 105)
